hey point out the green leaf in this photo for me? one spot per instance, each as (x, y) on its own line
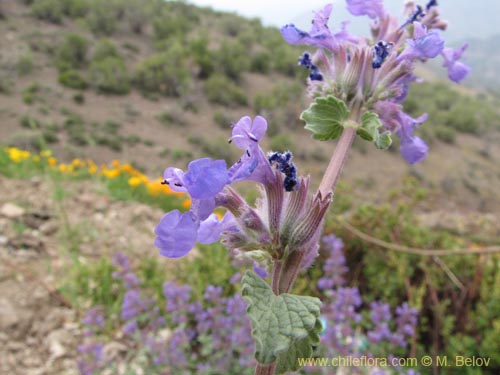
(370, 124)
(369, 130)
(384, 140)
(325, 118)
(284, 327)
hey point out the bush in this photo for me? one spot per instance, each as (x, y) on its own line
(219, 89)
(110, 76)
(104, 49)
(30, 94)
(102, 18)
(232, 59)
(25, 64)
(163, 73)
(73, 52)
(75, 8)
(281, 142)
(48, 10)
(203, 57)
(261, 63)
(73, 79)
(445, 134)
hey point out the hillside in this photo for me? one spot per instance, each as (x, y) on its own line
(160, 84)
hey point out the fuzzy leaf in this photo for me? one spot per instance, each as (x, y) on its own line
(369, 130)
(384, 140)
(325, 118)
(370, 124)
(284, 327)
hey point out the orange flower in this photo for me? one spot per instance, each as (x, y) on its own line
(52, 161)
(134, 181)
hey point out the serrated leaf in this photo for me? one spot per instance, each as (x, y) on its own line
(370, 124)
(304, 348)
(384, 140)
(284, 327)
(369, 130)
(325, 118)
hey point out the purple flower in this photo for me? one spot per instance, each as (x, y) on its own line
(204, 179)
(176, 233)
(371, 8)
(457, 71)
(424, 45)
(94, 318)
(133, 304)
(253, 165)
(412, 148)
(211, 229)
(319, 35)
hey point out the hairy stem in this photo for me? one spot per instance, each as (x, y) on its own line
(337, 162)
(265, 369)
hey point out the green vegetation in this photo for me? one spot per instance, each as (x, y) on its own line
(451, 111)
(164, 73)
(221, 90)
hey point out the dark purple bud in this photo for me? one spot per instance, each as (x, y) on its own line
(380, 52)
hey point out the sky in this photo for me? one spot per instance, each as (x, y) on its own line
(466, 18)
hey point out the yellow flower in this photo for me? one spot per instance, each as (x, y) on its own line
(92, 169)
(46, 153)
(17, 155)
(63, 168)
(134, 181)
(77, 163)
(52, 161)
(111, 173)
(115, 163)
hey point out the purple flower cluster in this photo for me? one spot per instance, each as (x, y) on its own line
(284, 218)
(341, 317)
(91, 358)
(212, 334)
(374, 74)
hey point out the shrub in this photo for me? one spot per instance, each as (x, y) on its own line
(445, 134)
(73, 79)
(73, 52)
(202, 57)
(110, 76)
(219, 89)
(222, 120)
(25, 64)
(104, 49)
(102, 18)
(30, 94)
(79, 98)
(281, 142)
(232, 59)
(261, 63)
(75, 8)
(164, 73)
(48, 10)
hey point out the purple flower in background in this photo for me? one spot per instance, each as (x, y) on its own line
(133, 304)
(94, 318)
(371, 8)
(457, 71)
(424, 45)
